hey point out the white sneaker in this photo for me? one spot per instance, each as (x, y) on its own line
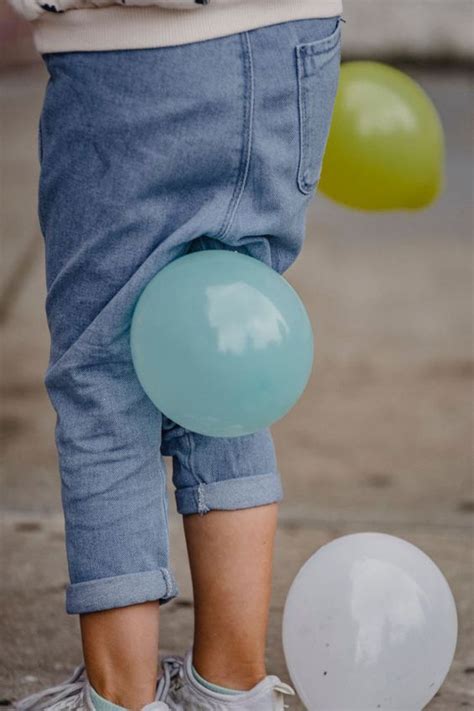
(72, 695)
(182, 692)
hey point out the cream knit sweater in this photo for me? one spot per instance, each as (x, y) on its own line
(89, 25)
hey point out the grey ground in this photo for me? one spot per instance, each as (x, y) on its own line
(381, 439)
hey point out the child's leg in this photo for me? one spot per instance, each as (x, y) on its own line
(230, 553)
(289, 75)
(131, 173)
(121, 653)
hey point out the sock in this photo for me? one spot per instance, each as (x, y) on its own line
(101, 704)
(212, 687)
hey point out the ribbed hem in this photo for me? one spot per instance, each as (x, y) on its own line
(120, 591)
(230, 494)
(118, 27)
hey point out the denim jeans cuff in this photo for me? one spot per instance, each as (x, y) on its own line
(229, 494)
(120, 591)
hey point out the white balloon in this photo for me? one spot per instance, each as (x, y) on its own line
(369, 624)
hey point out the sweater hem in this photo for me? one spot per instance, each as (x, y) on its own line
(135, 27)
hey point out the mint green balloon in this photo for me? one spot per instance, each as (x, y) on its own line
(221, 343)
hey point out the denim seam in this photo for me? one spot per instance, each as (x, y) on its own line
(190, 457)
(164, 506)
(325, 46)
(249, 99)
(201, 502)
(321, 46)
(302, 184)
(168, 582)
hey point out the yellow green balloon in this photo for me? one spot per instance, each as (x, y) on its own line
(385, 149)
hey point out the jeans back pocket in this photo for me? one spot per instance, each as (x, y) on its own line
(318, 73)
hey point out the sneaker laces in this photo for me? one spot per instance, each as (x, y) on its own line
(173, 672)
(44, 700)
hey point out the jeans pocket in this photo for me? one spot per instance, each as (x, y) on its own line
(318, 73)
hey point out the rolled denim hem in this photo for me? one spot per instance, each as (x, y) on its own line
(229, 494)
(120, 591)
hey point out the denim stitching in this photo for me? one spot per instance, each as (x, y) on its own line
(303, 51)
(164, 505)
(190, 457)
(168, 582)
(249, 99)
(302, 183)
(202, 506)
(313, 49)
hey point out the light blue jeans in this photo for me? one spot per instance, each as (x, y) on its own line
(146, 155)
